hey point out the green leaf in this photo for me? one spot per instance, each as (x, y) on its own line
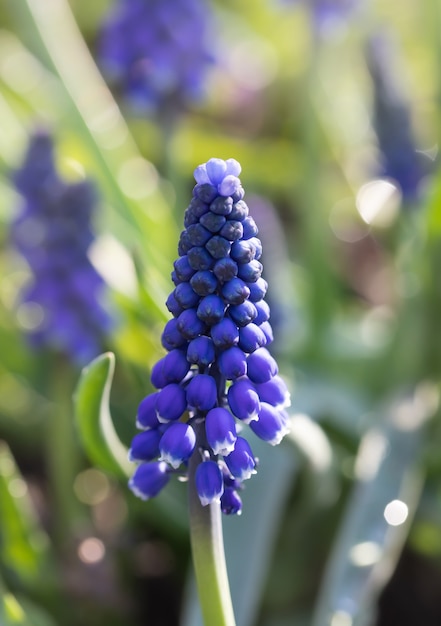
(388, 487)
(23, 544)
(94, 421)
(21, 612)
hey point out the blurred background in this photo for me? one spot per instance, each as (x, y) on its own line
(332, 107)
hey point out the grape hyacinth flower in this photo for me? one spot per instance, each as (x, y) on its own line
(392, 118)
(158, 52)
(218, 377)
(53, 234)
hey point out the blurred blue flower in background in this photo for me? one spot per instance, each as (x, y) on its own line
(392, 119)
(158, 52)
(218, 371)
(53, 233)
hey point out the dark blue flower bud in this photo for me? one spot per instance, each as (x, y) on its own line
(201, 351)
(241, 461)
(198, 208)
(184, 244)
(220, 429)
(190, 217)
(186, 296)
(261, 366)
(170, 369)
(200, 259)
(250, 272)
(218, 247)
(249, 228)
(177, 444)
(149, 479)
(242, 251)
(171, 403)
(175, 279)
(213, 222)
(225, 269)
(172, 336)
(173, 305)
(258, 289)
(225, 334)
(202, 392)
(221, 206)
(183, 269)
(243, 313)
(231, 504)
(205, 192)
(243, 400)
(263, 312)
(204, 282)
(274, 392)
(232, 230)
(209, 482)
(267, 330)
(257, 246)
(146, 417)
(189, 324)
(239, 211)
(272, 424)
(235, 291)
(211, 309)
(145, 446)
(251, 337)
(198, 235)
(232, 363)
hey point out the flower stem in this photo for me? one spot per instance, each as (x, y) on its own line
(207, 547)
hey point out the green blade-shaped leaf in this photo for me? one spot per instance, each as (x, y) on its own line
(23, 544)
(94, 421)
(367, 546)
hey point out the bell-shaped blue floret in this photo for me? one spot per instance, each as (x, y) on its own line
(243, 400)
(251, 337)
(241, 461)
(225, 270)
(216, 170)
(213, 222)
(145, 446)
(186, 296)
(272, 424)
(231, 503)
(274, 392)
(221, 206)
(232, 230)
(225, 334)
(220, 429)
(177, 444)
(189, 324)
(263, 312)
(201, 351)
(202, 392)
(261, 366)
(149, 479)
(258, 289)
(249, 228)
(172, 336)
(198, 235)
(250, 272)
(232, 363)
(243, 313)
(170, 369)
(209, 482)
(173, 305)
(204, 282)
(243, 251)
(171, 403)
(267, 330)
(183, 269)
(146, 417)
(235, 291)
(218, 247)
(239, 211)
(200, 259)
(211, 309)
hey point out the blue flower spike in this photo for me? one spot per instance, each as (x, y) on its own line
(218, 376)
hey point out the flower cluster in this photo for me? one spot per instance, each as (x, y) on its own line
(401, 160)
(53, 233)
(218, 374)
(157, 51)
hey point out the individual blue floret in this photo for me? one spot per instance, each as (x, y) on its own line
(53, 232)
(217, 376)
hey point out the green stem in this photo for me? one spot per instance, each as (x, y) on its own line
(207, 547)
